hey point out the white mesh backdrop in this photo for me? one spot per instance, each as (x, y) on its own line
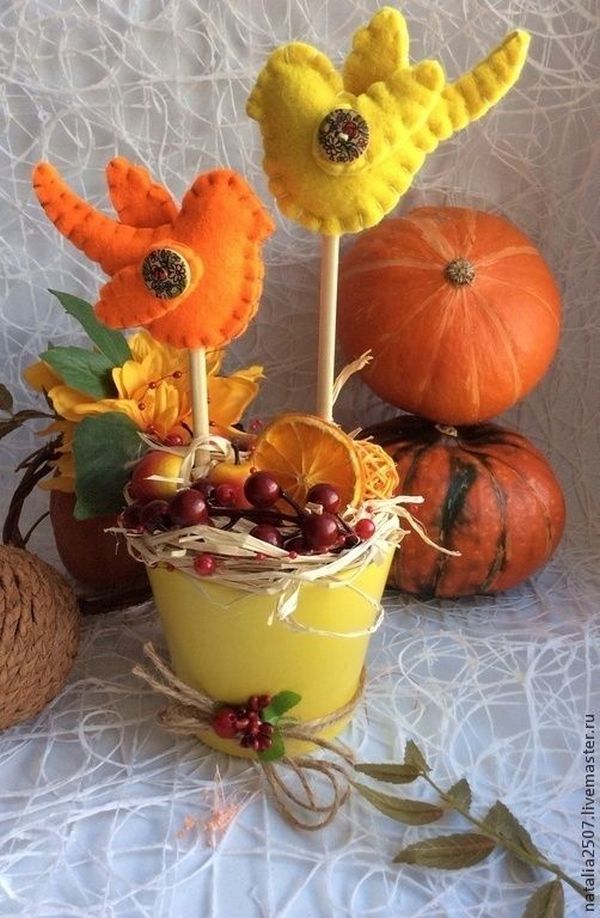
(93, 791)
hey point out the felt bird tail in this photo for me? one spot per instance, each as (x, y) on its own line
(136, 197)
(476, 92)
(104, 240)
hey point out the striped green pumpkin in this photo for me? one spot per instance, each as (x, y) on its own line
(488, 493)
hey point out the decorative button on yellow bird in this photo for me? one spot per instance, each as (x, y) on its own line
(341, 148)
(192, 276)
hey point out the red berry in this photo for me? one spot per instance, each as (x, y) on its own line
(155, 515)
(205, 487)
(204, 565)
(320, 531)
(188, 508)
(227, 495)
(130, 518)
(267, 533)
(364, 529)
(296, 546)
(262, 490)
(224, 722)
(173, 440)
(325, 495)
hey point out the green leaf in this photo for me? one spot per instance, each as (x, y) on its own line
(276, 750)
(279, 705)
(460, 794)
(109, 342)
(102, 446)
(86, 371)
(547, 902)
(501, 822)
(18, 419)
(6, 399)
(393, 774)
(410, 812)
(448, 852)
(413, 756)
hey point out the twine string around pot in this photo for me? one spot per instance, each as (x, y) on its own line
(190, 711)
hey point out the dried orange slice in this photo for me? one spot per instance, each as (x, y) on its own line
(302, 450)
(380, 475)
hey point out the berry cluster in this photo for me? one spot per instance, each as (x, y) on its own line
(278, 519)
(246, 723)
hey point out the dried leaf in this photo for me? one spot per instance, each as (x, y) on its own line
(6, 399)
(460, 794)
(393, 774)
(448, 852)
(413, 756)
(410, 812)
(547, 902)
(14, 422)
(501, 821)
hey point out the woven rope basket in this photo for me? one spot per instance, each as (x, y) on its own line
(39, 634)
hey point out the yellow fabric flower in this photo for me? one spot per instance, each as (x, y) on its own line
(341, 148)
(153, 391)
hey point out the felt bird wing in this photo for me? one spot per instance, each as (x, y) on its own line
(192, 276)
(341, 148)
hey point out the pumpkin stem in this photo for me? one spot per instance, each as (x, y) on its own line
(460, 272)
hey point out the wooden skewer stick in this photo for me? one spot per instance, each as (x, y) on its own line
(330, 251)
(199, 380)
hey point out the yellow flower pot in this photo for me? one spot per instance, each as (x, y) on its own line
(222, 644)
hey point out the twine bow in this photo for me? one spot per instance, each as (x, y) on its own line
(190, 711)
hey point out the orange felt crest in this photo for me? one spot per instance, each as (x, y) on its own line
(192, 276)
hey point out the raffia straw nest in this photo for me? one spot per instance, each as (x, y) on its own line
(253, 566)
(39, 634)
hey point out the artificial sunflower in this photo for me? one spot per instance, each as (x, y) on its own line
(342, 147)
(152, 389)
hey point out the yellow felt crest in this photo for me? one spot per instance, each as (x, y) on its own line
(341, 148)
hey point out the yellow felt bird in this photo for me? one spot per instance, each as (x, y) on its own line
(341, 148)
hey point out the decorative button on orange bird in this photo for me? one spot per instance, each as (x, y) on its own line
(192, 276)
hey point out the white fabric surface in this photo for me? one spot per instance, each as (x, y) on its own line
(94, 792)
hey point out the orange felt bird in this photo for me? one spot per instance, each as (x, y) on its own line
(192, 276)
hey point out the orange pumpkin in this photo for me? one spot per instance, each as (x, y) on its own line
(459, 310)
(488, 494)
(95, 558)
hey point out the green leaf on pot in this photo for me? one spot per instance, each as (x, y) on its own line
(111, 343)
(448, 852)
(6, 400)
(84, 370)
(392, 774)
(410, 812)
(102, 447)
(276, 750)
(279, 705)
